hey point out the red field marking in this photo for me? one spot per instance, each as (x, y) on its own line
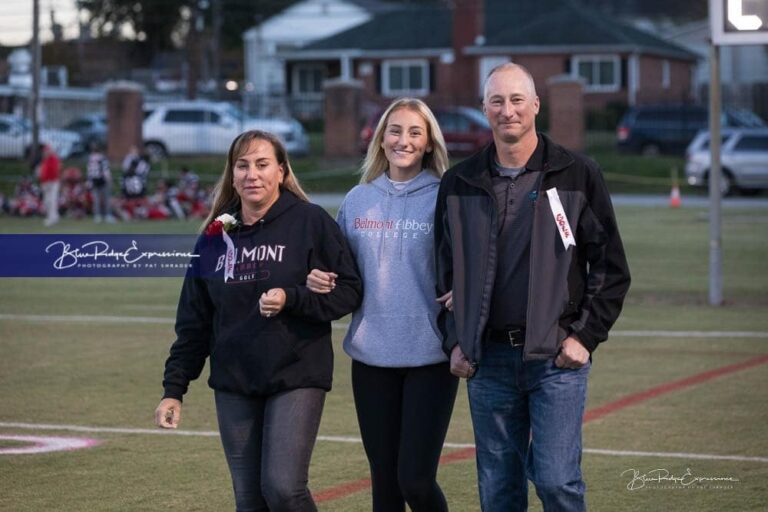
(341, 491)
(669, 387)
(344, 490)
(462, 454)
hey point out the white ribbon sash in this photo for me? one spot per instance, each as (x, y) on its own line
(563, 227)
(229, 260)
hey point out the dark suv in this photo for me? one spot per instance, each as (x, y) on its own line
(650, 130)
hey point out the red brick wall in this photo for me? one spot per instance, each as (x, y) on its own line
(457, 83)
(651, 89)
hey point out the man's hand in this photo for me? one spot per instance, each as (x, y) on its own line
(446, 300)
(460, 365)
(572, 354)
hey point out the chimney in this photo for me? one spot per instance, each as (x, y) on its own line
(468, 29)
(468, 24)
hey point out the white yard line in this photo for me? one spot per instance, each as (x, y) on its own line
(690, 334)
(112, 319)
(356, 440)
(88, 319)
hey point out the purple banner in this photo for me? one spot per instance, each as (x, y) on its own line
(96, 255)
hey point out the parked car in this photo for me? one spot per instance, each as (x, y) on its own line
(208, 127)
(651, 130)
(91, 127)
(743, 157)
(16, 138)
(466, 130)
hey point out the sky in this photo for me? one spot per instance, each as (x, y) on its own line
(16, 20)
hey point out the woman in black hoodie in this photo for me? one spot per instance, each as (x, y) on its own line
(245, 305)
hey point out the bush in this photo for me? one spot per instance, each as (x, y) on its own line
(607, 118)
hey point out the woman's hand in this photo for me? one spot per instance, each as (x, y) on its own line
(272, 302)
(321, 282)
(447, 300)
(168, 413)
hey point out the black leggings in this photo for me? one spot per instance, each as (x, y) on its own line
(403, 415)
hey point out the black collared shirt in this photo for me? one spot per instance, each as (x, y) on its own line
(515, 200)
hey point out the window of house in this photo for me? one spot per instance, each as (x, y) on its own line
(405, 77)
(665, 78)
(601, 72)
(308, 80)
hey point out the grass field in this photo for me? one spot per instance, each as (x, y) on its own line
(623, 173)
(668, 390)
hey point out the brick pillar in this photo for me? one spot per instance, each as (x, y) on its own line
(566, 111)
(124, 119)
(342, 110)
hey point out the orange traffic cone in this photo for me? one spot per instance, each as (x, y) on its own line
(674, 197)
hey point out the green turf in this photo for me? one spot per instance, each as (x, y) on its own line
(108, 375)
(317, 173)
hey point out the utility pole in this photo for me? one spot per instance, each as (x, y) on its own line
(216, 44)
(732, 22)
(195, 46)
(34, 98)
(715, 175)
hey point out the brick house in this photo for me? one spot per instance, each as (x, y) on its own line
(442, 53)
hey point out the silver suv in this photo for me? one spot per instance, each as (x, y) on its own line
(744, 159)
(209, 127)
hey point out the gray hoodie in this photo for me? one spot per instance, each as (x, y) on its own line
(391, 234)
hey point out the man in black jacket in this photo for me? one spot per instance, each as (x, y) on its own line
(526, 237)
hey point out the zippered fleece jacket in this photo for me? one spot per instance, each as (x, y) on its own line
(579, 290)
(391, 234)
(251, 354)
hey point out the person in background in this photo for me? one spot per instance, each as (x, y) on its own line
(130, 159)
(245, 306)
(189, 195)
(49, 171)
(403, 389)
(526, 238)
(74, 197)
(134, 186)
(99, 179)
(26, 198)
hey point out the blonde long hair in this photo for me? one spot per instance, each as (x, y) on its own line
(375, 163)
(225, 197)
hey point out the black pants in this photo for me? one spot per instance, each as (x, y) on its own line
(403, 415)
(268, 443)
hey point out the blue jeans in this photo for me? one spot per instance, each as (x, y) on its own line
(527, 419)
(268, 443)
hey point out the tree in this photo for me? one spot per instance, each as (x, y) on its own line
(155, 23)
(164, 24)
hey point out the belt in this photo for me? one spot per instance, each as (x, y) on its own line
(514, 336)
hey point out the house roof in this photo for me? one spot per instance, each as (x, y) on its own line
(525, 26)
(565, 22)
(411, 27)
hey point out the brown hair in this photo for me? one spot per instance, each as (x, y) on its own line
(376, 162)
(225, 198)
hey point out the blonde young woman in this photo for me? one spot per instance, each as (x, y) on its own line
(403, 389)
(245, 305)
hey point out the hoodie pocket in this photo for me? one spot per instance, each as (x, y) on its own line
(249, 363)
